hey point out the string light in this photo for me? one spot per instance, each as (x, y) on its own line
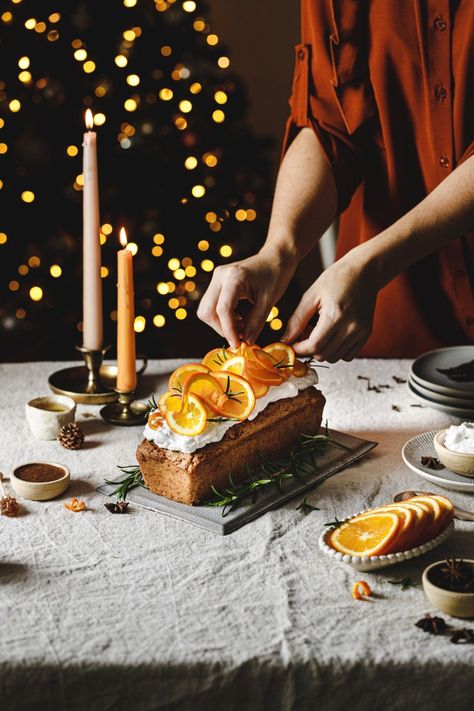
(25, 77)
(55, 270)
(185, 106)
(99, 119)
(189, 6)
(14, 105)
(166, 94)
(157, 251)
(276, 324)
(198, 191)
(80, 55)
(166, 51)
(162, 288)
(190, 163)
(173, 264)
(220, 97)
(225, 250)
(24, 62)
(203, 245)
(28, 196)
(104, 272)
(3, 148)
(30, 24)
(159, 320)
(121, 60)
(223, 62)
(207, 265)
(180, 314)
(210, 160)
(3, 238)
(23, 270)
(218, 116)
(158, 238)
(129, 3)
(241, 215)
(132, 247)
(130, 105)
(199, 25)
(36, 293)
(133, 80)
(195, 88)
(106, 228)
(139, 324)
(89, 66)
(13, 285)
(212, 39)
(34, 262)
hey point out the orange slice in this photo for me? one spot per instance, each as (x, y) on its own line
(176, 378)
(169, 401)
(203, 384)
(447, 506)
(368, 535)
(238, 398)
(437, 524)
(406, 531)
(238, 364)
(420, 525)
(215, 359)
(282, 353)
(192, 421)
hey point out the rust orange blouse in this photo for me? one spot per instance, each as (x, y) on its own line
(388, 88)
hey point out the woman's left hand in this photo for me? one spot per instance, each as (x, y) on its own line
(344, 298)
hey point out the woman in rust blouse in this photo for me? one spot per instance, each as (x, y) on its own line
(381, 133)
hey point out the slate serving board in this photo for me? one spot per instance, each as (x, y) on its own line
(342, 451)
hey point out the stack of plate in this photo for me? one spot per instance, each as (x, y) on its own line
(442, 391)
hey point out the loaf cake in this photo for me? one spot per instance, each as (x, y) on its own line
(237, 408)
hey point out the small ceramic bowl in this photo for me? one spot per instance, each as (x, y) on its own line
(375, 562)
(457, 462)
(40, 490)
(456, 604)
(46, 415)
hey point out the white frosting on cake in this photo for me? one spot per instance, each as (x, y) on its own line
(214, 432)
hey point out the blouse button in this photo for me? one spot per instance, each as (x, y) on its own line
(440, 23)
(441, 93)
(444, 161)
(301, 54)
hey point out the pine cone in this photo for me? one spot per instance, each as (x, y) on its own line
(71, 436)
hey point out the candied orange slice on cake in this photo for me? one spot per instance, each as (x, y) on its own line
(215, 359)
(238, 398)
(203, 384)
(192, 420)
(367, 535)
(283, 354)
(238, 364)
(169, 401)
(155, 420)
(177, 376)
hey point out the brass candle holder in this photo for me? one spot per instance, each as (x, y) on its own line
(85, 383)
(126, 412)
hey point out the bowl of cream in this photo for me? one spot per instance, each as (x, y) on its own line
(455, 448)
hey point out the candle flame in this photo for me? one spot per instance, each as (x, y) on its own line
(89, 119)
(123, 237)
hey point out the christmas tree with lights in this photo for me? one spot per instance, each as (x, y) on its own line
(178, 166)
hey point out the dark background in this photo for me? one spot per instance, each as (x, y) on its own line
(143, 179)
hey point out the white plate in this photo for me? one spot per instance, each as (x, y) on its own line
(460, 402)
(375, 562)
(426, 370)
(421, 446)
(456, 411)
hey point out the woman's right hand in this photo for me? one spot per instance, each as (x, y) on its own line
(261, 280)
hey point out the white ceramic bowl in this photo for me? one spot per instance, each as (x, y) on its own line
(44, 423)
(375, 562)
(457, 604)
(41, 490)
(457, 462)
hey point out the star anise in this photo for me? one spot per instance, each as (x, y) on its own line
(117, 507)
(431, 462)
(457, 575)
(432, 625)
(9, 506)
(396, 408)
(462, 636)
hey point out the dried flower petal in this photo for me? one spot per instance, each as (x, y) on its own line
(76, 505)
(9, 506)
(359, 586)
(117, 507)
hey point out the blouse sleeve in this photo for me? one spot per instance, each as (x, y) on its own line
(331, 90)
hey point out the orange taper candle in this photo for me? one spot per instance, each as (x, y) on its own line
(126, 375)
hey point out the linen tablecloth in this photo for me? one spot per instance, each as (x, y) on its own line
(142, 612)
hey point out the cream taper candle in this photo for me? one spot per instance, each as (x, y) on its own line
(92, 283)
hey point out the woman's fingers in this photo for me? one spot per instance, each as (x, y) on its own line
(321, 334)
(225, 309)
(354, 350)
(301, 315)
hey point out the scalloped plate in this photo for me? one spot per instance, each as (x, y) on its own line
(375, 562)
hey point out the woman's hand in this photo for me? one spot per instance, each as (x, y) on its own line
(344, 298)
(260, 280)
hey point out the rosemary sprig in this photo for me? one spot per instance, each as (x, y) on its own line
(314, 363)
(152, 404)
(404, 583)
(297, 465)
(220, 357)
(133, 479)
(305, 507)
(222, 419)
(334, 523)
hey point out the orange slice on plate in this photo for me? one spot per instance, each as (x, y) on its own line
(238, 398)
(438, 523)
(406, 532)
(191, 421)
(176, 378)
(215, 359)
(367, 535)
